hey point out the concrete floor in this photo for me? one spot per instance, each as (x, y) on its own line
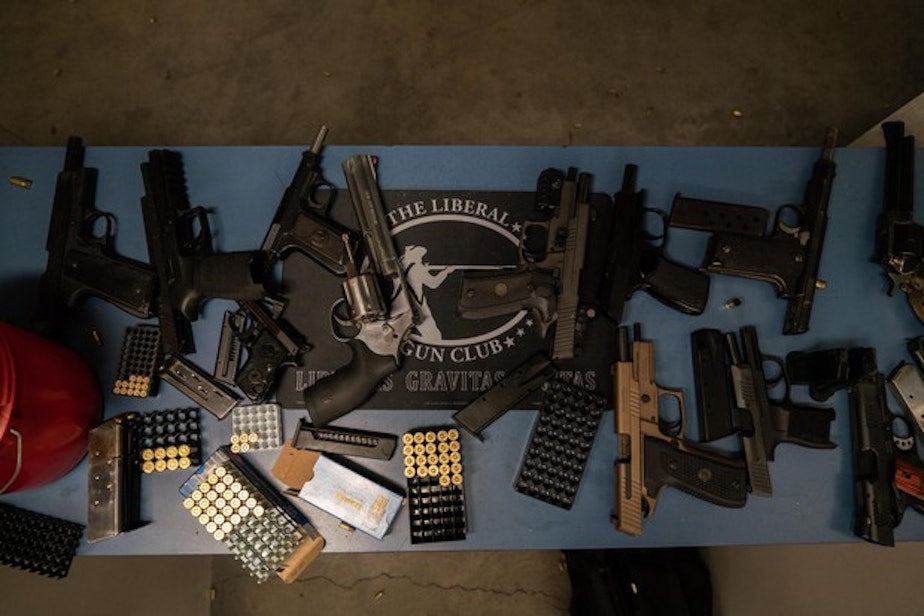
(530, 72)
(477, 72)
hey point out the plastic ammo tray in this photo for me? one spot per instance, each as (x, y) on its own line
(563, 434)
(168, 440)
(138, 363)
(255, 427)
(242, 510)
(37, 542)
(435, 488)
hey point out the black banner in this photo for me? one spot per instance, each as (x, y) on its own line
(438, 235)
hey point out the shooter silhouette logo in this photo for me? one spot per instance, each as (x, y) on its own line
(438, 239)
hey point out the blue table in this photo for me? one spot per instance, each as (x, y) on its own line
(812, 501)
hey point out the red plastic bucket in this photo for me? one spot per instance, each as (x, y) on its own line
(49, 400)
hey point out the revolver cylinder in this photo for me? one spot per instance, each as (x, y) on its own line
(364, 298)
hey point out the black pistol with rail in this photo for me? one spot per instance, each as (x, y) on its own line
(180, 248)
(301, 222)
(635, 262)
(788, 258)
(81, 254)
(899, 240)
(380, 312)
(878, 504)
(732, 392)
(547, 278)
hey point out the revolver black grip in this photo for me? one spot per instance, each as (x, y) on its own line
(680, 287)
(706, 476)
(349, 386)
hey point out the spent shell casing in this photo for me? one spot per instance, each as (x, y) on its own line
(20, 182)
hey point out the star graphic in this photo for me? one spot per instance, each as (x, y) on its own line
(509, 341)
(521, 332)
(529, 322)
(515, 227)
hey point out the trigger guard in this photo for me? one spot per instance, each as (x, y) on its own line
(903, 443)
(670, 428)
(337, 322)
(202, 240)
(789, 229)
(665, 218)
(781, 377)
(318, 204)
(90, 221)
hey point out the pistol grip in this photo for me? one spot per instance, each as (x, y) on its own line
(319, 238)
(806, 426)
(349, 386)
(493, 294)
(680, 287)
(778, 260)
(238, 276)
(703, 475)
(123, 282)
